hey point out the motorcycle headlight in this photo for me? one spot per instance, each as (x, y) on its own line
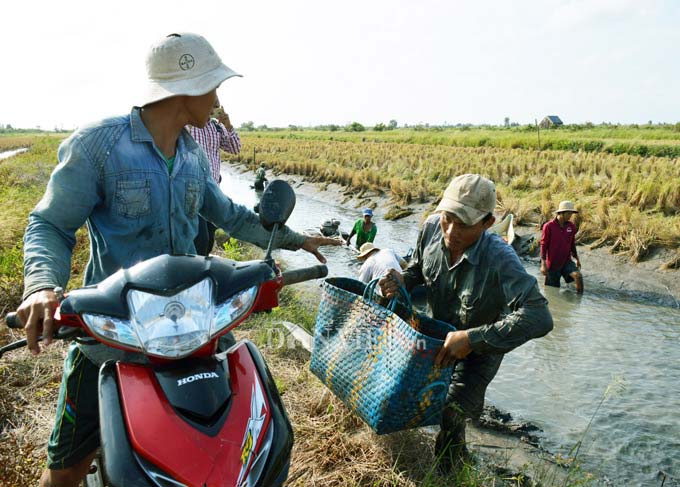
(233, 309)
(172, 326)
(113, 329)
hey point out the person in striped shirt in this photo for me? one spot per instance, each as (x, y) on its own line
(217, 134)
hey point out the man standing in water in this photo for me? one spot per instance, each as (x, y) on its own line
(139, 182)
(558, 247)
(260, 178)
(364, 228)
(475, 281)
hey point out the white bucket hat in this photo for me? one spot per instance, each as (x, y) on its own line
(183, 64)
(470, 197)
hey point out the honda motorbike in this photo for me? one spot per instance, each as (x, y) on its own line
(191, 415)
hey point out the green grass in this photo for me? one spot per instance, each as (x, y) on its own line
(650, 140)
(22, 182)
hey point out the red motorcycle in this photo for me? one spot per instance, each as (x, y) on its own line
(191, 416)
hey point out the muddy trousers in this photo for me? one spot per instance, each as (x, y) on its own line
(465, 399)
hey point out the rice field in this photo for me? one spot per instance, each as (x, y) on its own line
(645, 140)
(628, 202)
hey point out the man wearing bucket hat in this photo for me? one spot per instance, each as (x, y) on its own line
(377, 262)
(364, 228)
(558, 248)
(139, 182)
(476, 282)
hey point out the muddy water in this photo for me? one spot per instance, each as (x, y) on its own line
(620, 355)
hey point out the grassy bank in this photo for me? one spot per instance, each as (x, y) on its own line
(629, 203)
(22, 182)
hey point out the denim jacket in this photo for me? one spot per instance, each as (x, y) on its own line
(489, 293)
(112, 176)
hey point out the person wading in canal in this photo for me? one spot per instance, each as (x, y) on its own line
(476, 282)
(558, 248)
(364, 228)
(260, 178)
(377, 262)
(140, 182)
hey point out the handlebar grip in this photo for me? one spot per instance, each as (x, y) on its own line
(12, 320)
(304, 274)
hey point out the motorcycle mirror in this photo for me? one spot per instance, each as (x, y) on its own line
(276, 204)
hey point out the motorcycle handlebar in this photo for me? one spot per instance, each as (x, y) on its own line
(12, 320)
(304, 274)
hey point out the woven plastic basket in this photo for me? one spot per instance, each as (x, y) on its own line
(379, 360)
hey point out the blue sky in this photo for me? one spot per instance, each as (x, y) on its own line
(309, 62)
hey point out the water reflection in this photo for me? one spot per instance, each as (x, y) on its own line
(558, 381)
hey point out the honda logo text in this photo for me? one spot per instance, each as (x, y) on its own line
(192, 378)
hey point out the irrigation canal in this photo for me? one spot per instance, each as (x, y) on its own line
(618, 354)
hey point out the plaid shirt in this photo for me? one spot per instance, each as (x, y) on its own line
(211, 138)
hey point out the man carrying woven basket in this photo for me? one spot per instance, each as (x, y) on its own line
(476, 282)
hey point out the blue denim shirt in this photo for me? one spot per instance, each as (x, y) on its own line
(112, 176)
(488, 293)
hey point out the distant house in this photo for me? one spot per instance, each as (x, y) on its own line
(551, 121)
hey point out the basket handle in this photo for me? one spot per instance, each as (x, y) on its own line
(403, 294)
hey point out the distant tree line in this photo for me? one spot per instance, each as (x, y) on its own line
(507, 124)
(8, 129)
(350, 127)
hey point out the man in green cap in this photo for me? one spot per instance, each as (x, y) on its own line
(260, 178)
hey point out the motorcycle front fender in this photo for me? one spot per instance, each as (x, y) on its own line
(120, 465)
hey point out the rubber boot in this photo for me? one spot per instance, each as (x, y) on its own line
(449, 448)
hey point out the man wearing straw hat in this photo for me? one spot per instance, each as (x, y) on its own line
(558, 248)
(377, 262)
(140, 182)
(475, 281)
